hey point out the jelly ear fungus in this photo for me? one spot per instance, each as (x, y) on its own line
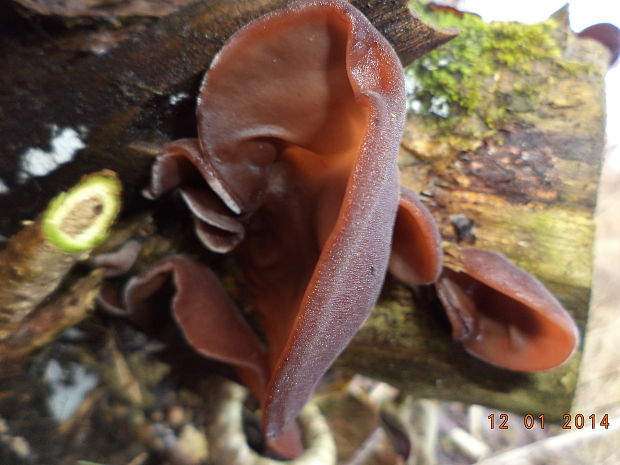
(503, 315)
(299, 123)
(416, 244)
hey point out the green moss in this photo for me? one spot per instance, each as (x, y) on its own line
(473, 85)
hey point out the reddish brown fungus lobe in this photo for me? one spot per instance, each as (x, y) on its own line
(416, 246)
(608, 35)
(201, 307)
(505, 316)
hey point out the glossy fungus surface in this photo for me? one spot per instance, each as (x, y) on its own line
(416, 246)
(504, 315)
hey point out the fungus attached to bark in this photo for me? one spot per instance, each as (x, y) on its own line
(503, 315)
(608, 35)
(416, 244)
(299, 123)
(200, 306)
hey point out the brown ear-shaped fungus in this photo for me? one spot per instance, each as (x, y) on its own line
(120, 261)
(209, 320)
(416, 246)
(608, 35)
(504, 315)
(299, 122)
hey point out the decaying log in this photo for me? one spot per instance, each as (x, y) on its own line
(528, 191)
(528, 187)
(64, 310)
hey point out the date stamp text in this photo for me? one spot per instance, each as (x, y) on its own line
(577, 421)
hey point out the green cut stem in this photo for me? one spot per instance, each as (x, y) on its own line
(79, 219)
